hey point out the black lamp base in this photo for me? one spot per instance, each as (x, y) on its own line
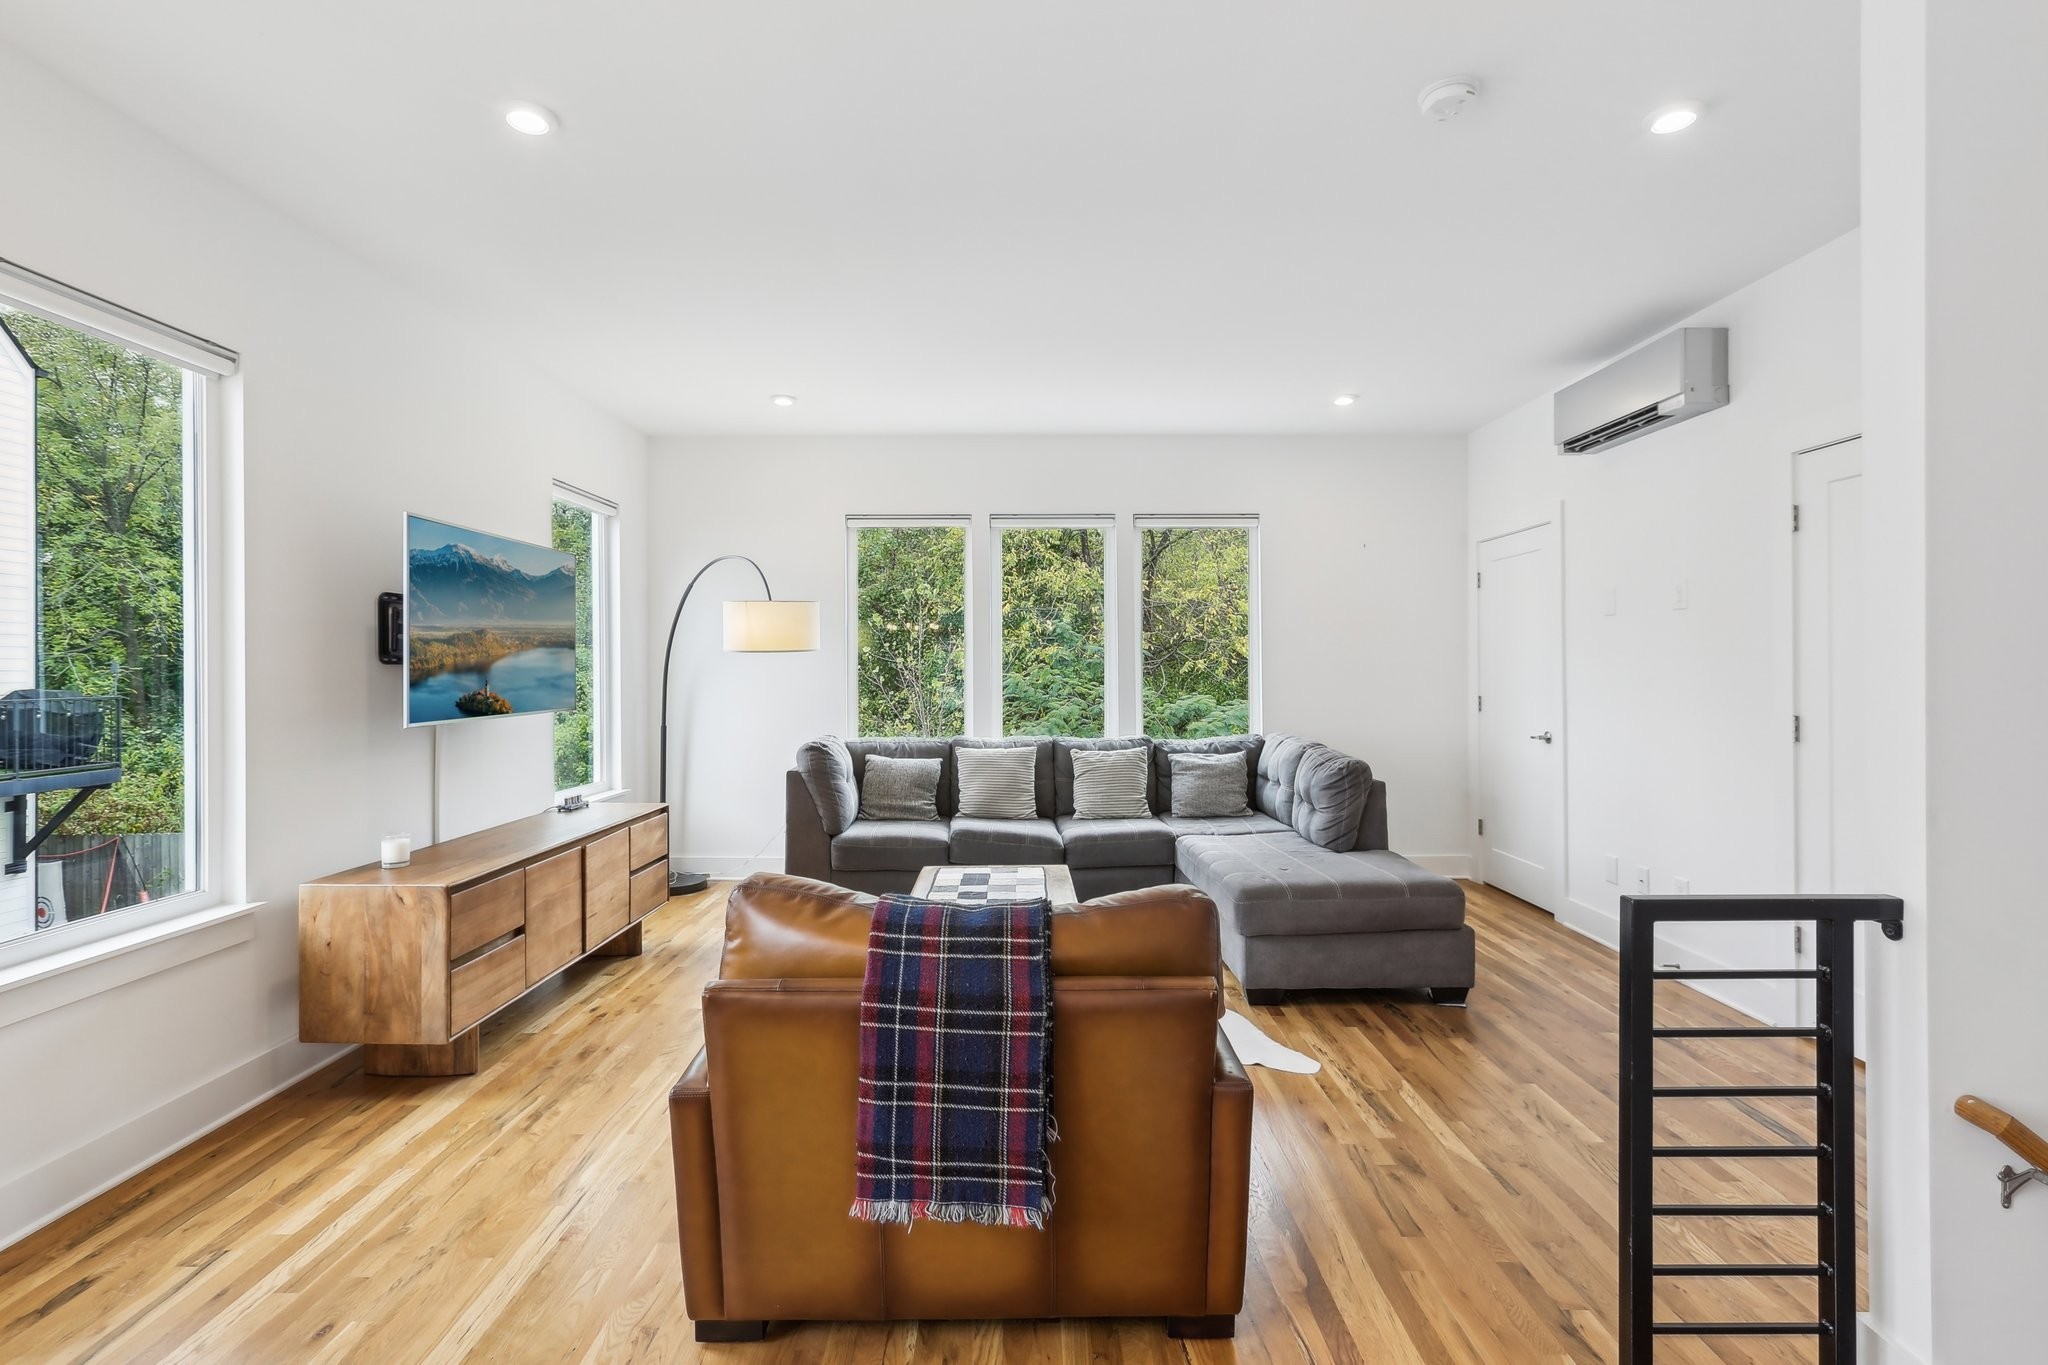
(687, 883)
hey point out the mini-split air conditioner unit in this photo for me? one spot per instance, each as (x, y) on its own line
(1676, 377)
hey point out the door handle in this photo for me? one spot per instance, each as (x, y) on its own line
(1545, 737)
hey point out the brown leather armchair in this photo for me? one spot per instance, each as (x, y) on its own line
(1152, 1168)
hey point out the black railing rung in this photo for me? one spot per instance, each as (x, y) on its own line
(1683, 1153)
(1757, 1032)
(1718, 974)
(1741, 1329)
(1738, 1210)
(1831, 1148)
(1739, 1092)
(1693, 1268)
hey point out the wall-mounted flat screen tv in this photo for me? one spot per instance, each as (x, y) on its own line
(490, 625)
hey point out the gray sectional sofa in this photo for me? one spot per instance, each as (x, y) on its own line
(1306, 890)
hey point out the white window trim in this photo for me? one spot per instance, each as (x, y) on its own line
(607, 699)
(970, 703)
(213, 549)
(1106, 523)
(1249, 521)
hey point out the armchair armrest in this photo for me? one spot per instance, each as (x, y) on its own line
(1230, 1180)
(689, 1119)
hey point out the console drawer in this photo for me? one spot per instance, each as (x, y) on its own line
(650, 840)
(488, 910)
(479, 986)
(650, 888)
(607, 888)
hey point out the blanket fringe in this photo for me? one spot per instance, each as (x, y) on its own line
(902, 1211)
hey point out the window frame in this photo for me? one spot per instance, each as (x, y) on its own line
(214, 744)
(1254, 644)
(1106, 524)
(607, 702)
(970, 634)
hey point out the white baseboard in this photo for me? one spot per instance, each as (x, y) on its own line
(1604, 928)
(723, 868)
(1590, 921)
(43, 1195)
(1879, 1349)
(1444, 864)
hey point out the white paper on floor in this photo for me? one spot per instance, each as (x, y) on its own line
(1254, 1048)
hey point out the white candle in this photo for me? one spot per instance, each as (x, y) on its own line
(396, 850)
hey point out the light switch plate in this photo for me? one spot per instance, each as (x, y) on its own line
(1678, 596)
(1642, 881)
(1613, 870)
(1681, 886)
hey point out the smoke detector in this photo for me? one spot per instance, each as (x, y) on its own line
(1444, 100)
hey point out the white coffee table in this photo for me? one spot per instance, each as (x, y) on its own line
(996, 883)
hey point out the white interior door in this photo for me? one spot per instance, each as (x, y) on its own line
(1521, 715)
(1828, 687)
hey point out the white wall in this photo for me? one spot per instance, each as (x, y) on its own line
(1678, 723)
(358, 402)
(1361, 566)
(1966, 299)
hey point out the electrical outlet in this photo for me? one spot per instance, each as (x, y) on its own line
(1642, 881)
(1613, 870)
(1678, 596)
(1681, 886)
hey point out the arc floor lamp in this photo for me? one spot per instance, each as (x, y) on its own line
(766, 626)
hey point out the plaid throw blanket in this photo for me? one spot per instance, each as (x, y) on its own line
(955, 1055)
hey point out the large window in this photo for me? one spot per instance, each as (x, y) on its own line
(587, 745)
(98, 465)
(910, 620)
(1050, 646)
(1054, 582)
(1195, 628)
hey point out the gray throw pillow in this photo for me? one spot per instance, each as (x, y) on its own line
(900, 789)
(1211, 785)
(1109, 784)
(998, 784)
(1329, 797)
(827, 770)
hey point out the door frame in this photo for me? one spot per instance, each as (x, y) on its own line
(1802, 991)
(1536, 515)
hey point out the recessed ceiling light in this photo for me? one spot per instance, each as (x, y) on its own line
(1345, 400)
(1674, 118)
(782, 400)
(531, 120)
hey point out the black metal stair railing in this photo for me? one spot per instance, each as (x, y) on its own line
(1833, 1091)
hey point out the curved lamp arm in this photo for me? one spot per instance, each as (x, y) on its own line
(668, 651)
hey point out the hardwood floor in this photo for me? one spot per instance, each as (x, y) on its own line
(1444, 1191)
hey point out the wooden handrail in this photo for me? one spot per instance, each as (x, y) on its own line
(2030, 1145)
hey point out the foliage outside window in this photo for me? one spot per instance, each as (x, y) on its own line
(1053, 630)
(1195, 632)
(582, 736)
(910, 610)
(113, 438)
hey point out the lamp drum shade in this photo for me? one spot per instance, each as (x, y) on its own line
(771, 627)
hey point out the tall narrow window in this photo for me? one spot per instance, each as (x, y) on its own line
(910, 623)
(586, 738)
(97, 460)
(1053, 583)
(1196, 627)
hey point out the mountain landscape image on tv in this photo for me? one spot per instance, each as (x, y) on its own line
(490, 625)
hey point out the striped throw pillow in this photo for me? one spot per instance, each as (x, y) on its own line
(1109, 784)
(999, 784)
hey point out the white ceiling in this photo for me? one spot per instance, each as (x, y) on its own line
(1062, 215)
